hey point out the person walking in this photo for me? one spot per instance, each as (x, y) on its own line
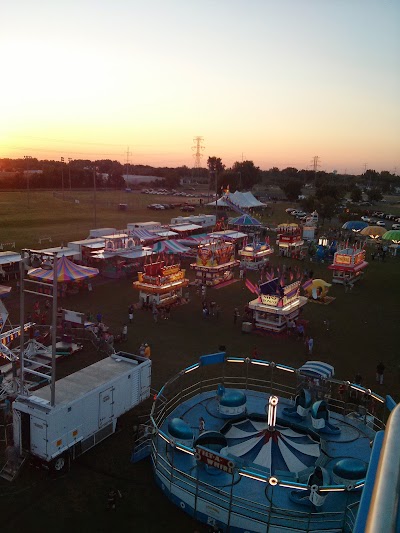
(235, 315)
(202, 425)
(112, 497)
(124, 335)
(155, 314)
(130, 313)
(380, 368)
(147, 351)
(142, 349)
(310, 344)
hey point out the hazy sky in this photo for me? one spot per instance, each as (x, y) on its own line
(273, 81)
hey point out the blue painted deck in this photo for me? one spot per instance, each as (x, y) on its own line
(217, 489)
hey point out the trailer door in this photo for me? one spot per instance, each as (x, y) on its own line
(106, 405)
(145, 382)
(38, 436)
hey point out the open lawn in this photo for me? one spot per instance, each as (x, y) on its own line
(354, 332)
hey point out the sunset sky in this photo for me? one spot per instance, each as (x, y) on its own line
(273, 81)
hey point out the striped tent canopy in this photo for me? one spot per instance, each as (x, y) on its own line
(171, 247)
(245, 220)
(317, 369)
(66, 271)
(144, 235)
(4, 291)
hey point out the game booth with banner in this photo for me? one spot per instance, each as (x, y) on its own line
(255, 255)
(160, 284)
(348, 265)
(215, 262)
(276, 305)
(290, 240)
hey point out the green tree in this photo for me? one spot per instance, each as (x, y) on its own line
(356, 194)
(374, 194)
(292, 189)
(216, 169)
(328, 206)
(248, 173)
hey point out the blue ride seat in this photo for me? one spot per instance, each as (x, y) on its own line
(302, 404)
(320, 418)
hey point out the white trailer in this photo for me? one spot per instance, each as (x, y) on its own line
(87, 406)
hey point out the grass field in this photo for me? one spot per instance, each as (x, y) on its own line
(363, 329)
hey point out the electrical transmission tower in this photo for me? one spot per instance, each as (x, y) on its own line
(315, 165)
(199, 148)
(128, 153)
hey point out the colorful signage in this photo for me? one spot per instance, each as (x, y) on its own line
(214, 460)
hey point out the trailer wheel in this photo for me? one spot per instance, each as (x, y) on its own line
(60, 465)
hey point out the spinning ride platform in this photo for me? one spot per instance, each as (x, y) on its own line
(229, 448)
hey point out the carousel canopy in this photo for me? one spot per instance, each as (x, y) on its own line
(373, 231)
(170, 246)
(284, 449)
(317, 369)
(392, 235)
(245, 220)
(354, 225)
(66, 271)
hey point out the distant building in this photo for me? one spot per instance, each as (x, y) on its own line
(134, 179)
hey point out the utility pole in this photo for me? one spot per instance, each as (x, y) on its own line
(69, 172)
(62, 177)
(128, 153)
(216, 195)
(94, 197)
(27, 158)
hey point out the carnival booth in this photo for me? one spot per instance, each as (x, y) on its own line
(160, 284)
(70, 277)
(215, 262)
(255, 255)
(290, 240)
(348, 265)
(276, 305)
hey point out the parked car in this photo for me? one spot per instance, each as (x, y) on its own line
(365, 219)
(290, 209)
(187, 208)
(381, 223)
(395, 226)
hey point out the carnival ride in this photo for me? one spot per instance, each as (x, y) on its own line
(317, 290)
(254, 463)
